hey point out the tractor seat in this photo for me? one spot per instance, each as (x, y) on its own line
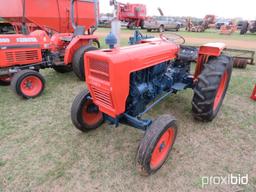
(80, 30)
(188, 53)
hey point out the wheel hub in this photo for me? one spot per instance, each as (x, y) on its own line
(90, 113)
(162, 146)
(31, 86)
(92, 108)
(28, 84)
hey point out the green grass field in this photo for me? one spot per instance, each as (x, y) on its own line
(215, 35)
(209, 33)
(40, 150)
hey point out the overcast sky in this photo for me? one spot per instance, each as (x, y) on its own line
(195, 8)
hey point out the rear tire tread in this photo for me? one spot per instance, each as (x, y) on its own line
(78, 61)
(204, 93)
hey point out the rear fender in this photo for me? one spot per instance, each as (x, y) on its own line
(206, 51)
(76, 43)
(212, 49)
(57, 42)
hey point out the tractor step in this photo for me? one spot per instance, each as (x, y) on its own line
(179, 86)
(4, 72)
(59, 63)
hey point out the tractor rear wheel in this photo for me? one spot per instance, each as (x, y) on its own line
(142, 23)
(211, 88)
(96, 43)
(63, 68)
(244, 28)
(161, 29)
(78, 61)
(85, 115)
(4, 81)
(28, 84)
(177, 28)
(156, 145)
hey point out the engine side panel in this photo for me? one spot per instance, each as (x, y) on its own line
(108, 71)
(22, 49)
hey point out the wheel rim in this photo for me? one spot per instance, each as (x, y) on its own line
(31, 86)
(220, 90)
(162, 148)
(91, 117)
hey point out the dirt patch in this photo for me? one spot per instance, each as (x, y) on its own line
(229, 43)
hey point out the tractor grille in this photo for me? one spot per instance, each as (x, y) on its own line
(99, 66)
(103, 97)
(22, 56)
(100, 76)
(99, 70)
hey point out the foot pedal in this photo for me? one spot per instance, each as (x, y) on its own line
(179, 86)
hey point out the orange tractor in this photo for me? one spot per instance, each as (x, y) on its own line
(133, 14)
(228, 29)
(208, 21)
(68, 33)
(125, 83)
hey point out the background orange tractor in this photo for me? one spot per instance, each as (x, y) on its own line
(133, 14)
(228, 29)
(208, 21)
(68, 33)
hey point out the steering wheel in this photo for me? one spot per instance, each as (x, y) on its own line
(173, 37)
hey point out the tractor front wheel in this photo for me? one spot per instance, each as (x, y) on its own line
(211, 88)
(177, 28)
(28, 84)
(78, 61)
(85, 115)
(156, 145)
